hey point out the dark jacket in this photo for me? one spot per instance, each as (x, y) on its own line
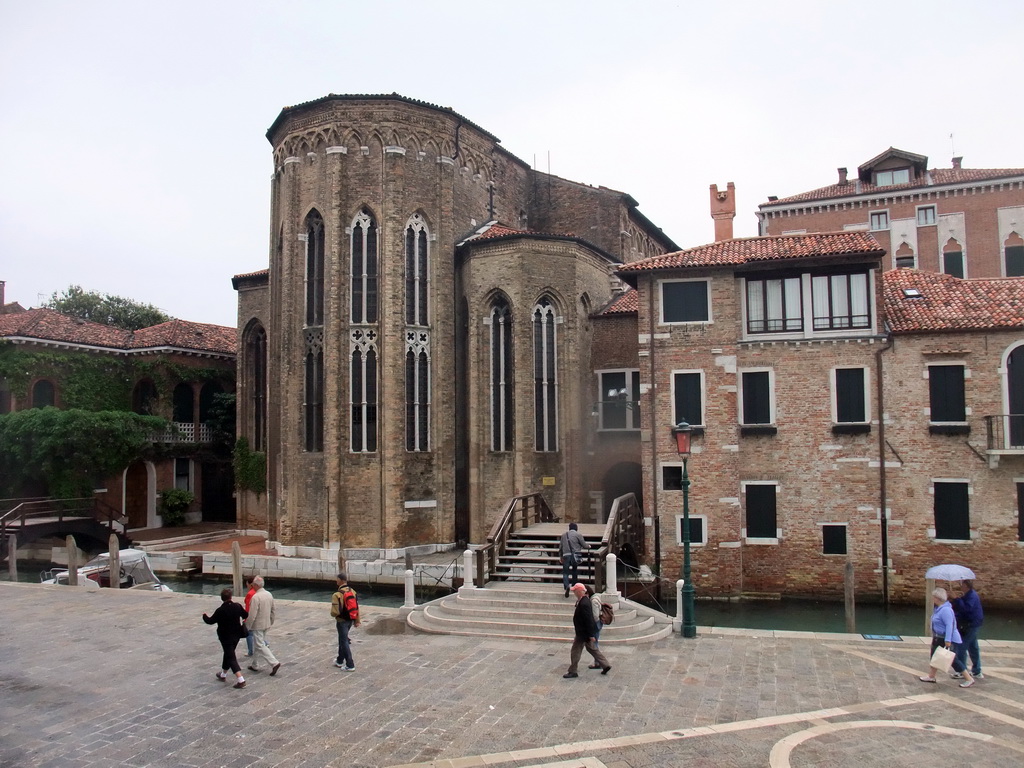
(968, 609)
(583, 619)
(229, 618)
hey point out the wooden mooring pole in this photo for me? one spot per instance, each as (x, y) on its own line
(114, 547)
(236, 569)
(12, 556)
(72, 548)
(849, 594)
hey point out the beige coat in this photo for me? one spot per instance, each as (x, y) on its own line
(261, 611)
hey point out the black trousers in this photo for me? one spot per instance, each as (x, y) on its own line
(229, 662)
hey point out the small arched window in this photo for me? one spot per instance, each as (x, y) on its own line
(43, 394)
(1013, 250)
(144, 398)
(416, 271)
(256, 359)
(953, 259)
(184, 402)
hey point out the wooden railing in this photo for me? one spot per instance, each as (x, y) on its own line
(521, 512)
(20, 512)
(625, 528)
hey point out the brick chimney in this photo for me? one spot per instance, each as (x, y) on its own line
(842, 177)
(723, 210)
(3, 303)
(956, 162)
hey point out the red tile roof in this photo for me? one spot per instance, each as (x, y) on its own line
(182, 334)
(948, 303)
(939, 177)
(623, 304)
(47, 325)
(754, 249)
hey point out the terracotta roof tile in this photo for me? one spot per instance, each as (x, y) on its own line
(939, 177)
(753, 249)
(183, 334)
(47, 325)
(624, 303)
(257, 273)
(917, 301)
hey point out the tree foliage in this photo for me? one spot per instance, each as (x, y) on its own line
(250, 468)
(70, 451)
(106, 309)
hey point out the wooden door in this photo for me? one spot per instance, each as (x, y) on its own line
(136, 495)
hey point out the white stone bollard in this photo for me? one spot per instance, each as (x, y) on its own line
(410, 590)
(679, 601)
(467, 569)
(611, 586)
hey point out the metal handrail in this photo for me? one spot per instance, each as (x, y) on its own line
(1005, 432)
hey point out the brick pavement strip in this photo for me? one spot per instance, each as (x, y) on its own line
(110, 678)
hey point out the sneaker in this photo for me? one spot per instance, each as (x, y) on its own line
(240, 685)
(977, 675)
(350, 669)
(253, 668)
(966, 683)
(222, 678)
(927, 679)
(957, 675)
(569, 675)
(340, 665)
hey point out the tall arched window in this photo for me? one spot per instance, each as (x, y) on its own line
(256, 359)
(184, 401)
(364, 268)
(501, 376)
(1013, 250)
(545, 379)
(417, 393)
(43, 394)
(363, 397)
(953, 259)
(416, 271)
(313, 407)
(314, 269)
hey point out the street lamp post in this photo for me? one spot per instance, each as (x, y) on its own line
(682, 432)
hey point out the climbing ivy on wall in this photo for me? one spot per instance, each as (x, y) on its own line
(69, 451)
(250, 468)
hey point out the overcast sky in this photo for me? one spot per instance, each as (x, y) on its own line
(135, 161)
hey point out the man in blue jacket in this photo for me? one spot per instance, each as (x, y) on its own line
(969, 617)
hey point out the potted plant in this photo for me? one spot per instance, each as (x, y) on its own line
(174, 503)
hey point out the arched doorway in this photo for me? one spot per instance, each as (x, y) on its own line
(622, 478)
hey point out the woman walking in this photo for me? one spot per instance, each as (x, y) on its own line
(230, 620)
(944, 633)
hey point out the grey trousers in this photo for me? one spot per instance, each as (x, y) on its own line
(578, 644)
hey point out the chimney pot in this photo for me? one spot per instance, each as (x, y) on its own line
(842, 177)
(957, 161)
(723, 210)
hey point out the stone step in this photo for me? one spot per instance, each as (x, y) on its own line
(502, 609)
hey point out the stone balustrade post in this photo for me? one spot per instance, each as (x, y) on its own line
(410, 589)
(611, 575)
(467, 569)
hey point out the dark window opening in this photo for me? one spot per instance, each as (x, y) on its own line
(696, 530)
(952, 511)
(756, 398)
(762, 521)
(946, 393)
(685, 302)
(688, 393)
(850, 406)
(833, 539)
(672, 478)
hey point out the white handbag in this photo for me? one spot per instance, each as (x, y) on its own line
(942, 659)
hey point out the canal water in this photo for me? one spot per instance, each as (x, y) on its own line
(801, 615)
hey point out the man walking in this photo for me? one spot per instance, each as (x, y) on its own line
(570, 553)
(345, 610)
(586, 634)
(261, 619)
(969, 618)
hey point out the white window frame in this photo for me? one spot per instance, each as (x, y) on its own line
(835, 394)
(661, 301)
(807, 297)
(923, 208)
(891, 174)
(771, 396)
(704, 530)
(967, 376)
(879, 213)
(703, 396)
(756, 540)
(191, 474)
(661, 475)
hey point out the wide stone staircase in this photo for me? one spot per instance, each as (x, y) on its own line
(524, 598)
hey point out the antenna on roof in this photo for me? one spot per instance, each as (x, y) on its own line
(952, 148)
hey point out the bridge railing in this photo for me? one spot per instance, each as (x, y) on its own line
(624, 529)
(20, 512)
(520, 512)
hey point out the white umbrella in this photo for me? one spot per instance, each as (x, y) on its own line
(949, 572)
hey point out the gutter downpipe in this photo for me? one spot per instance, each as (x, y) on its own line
(883, 517)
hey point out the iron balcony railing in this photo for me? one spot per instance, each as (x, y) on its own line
(1005, 432)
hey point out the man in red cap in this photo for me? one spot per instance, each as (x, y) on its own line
(586, 633)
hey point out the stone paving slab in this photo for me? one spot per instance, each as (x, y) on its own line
(109, 678)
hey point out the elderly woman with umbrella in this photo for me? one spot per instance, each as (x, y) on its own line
(943, 625)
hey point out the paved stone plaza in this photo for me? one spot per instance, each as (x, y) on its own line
(108, 678)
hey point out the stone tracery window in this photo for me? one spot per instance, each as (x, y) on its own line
(314, 269)
(502, 389)
(313, 393)
(417, 391)
(363, 391)
(364, 268)
(256, 364)
(545, 378)
(417, 273)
